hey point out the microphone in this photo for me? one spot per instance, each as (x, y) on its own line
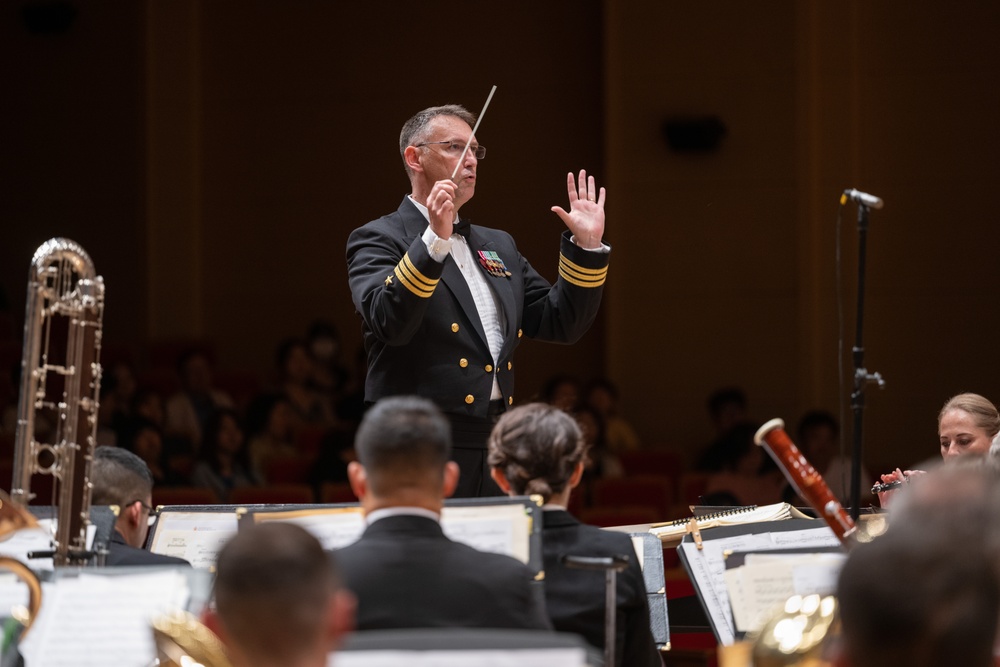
(871, 201)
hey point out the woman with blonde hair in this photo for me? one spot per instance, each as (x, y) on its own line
(968, 425)
(539, 449)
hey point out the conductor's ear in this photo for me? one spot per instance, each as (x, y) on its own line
(577, 475)
(358, 478)
(411, 155)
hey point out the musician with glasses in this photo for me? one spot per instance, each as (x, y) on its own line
(444, 303)
(123, 479)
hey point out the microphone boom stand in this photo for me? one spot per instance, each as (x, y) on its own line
(861, 375)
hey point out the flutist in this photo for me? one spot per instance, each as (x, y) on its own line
(445, 303)
(968, 424)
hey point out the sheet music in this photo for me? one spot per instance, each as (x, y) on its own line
(552, 657)
(501, 529)
(708, 567)
(194, 536)
(766, 581)
(334, 528)
(26, 540)
(97, 620)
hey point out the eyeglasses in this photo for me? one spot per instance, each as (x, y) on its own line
(455, 148)
(144, 505)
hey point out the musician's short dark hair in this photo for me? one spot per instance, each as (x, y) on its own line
(919, 596)
(402, 439)
(119, 477)
(273, 583)
(537, 447)
(415, 129)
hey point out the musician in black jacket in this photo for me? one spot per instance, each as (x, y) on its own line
(123, 479)
(404, 571)
(539, 449)
(445, 303)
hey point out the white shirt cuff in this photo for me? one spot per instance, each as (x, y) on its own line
(437, 247)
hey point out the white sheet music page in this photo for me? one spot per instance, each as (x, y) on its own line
(334, 528)
(98, 620)
(708, 567)
(194, 536)
(501, 529)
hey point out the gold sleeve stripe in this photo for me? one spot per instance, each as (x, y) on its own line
(418, 278)
(406, 281)
(413, 280)
(580, 276)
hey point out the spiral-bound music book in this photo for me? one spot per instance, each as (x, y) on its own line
(732, 516)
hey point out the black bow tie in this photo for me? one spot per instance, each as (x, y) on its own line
(462, 227)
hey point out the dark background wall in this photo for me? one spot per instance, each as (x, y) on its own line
(213, 156)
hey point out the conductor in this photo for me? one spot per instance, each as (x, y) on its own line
(444, 303)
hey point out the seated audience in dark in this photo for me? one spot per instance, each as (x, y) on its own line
(309, 407)
(143, 438)
(602, 395)
(224, 458)
(742, 473)
(269, 424)
(539, 449)
(187, 411)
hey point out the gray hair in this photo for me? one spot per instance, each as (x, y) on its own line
(415, 130)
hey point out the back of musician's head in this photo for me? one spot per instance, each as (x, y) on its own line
(119, 477)
(403, 441)
(919, 596)
(277, 595)
(537, 447)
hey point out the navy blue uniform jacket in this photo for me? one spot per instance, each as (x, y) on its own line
(422, 332)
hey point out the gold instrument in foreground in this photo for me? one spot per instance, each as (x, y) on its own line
(12, 519)
(183, 641)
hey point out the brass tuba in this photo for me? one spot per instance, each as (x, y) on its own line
(60, 382)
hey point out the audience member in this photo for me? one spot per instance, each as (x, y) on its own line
(967, 425)
(224, 458)
(187, 411)
(309, 408)
(121, 478)
(727, 407)
(539, 449)
(602, 395)
(404, 571)
(561, 390)
(278, 600)
(329, 376)
(818, 438)
(742, 473)
(143, 438)
(269, 423)
(148, 404)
